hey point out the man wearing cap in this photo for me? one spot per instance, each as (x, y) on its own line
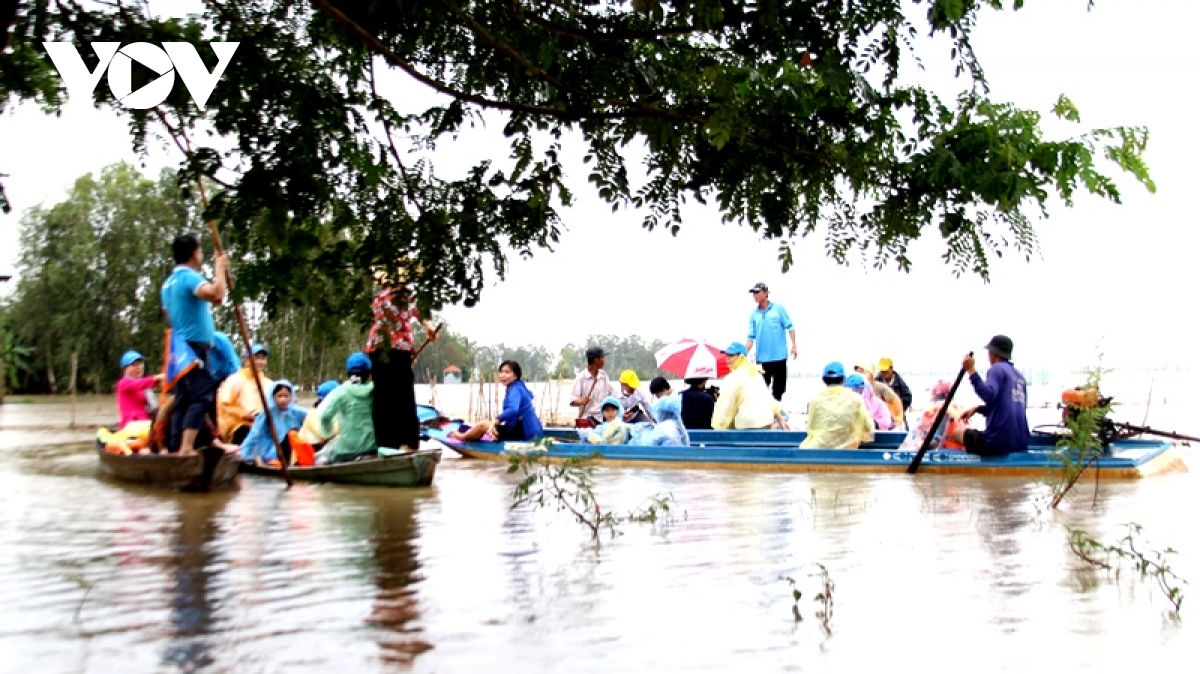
(591, 387)
(768, 325)
(238, 401)
(888, 376)
(1004, 401)
(186, 296)
(837, 417)
(745, 401)
(131, 390)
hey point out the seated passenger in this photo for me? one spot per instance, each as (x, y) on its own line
(131, 389)
(518, 419)
(697, 404)
(223, 362)
(258, 447)
(884, 393)
(1004, 401)
(669, 430)
(348, 409)
(660, 387)
(238, 400)
(837, 417)
(613, 431)
(746, 402)
(878, 411)
(310, 432)
(633, 400)
(943, 439)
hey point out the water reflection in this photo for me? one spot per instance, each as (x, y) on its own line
(396, 610)
(193, 569)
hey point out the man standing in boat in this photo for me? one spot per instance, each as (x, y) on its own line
(591, 386)
(1004, 402)
(768, 326)
(186, 296)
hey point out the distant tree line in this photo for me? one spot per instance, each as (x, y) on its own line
(91, 266)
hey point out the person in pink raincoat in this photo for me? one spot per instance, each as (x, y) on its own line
(879, 411)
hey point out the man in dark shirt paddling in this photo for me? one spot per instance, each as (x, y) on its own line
(1004, 399)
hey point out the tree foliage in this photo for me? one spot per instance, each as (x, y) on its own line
(89, 273)
(792, 117)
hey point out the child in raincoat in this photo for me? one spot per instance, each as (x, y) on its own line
(941, 440)
(880, 414)
(669, 430)
(350, 407)
(258, 446)
(613, 431)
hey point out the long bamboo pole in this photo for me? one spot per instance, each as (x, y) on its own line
(218, 249)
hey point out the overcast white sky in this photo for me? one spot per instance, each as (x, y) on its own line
(1109, 277)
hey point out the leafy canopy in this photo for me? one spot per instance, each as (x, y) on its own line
(789, 115)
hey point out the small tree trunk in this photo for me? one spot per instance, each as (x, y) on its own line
(3, 379)
(50, 371)
(74, 371)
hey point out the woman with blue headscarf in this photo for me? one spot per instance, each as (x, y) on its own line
(258, 447)
(670, 429)
(347, 411)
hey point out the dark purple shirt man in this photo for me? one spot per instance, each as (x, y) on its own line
(1004, 401)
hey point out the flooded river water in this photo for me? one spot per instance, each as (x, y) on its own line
(932, 574)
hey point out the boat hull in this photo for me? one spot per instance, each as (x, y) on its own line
(210, 468)
(409, 470)
(755, 451)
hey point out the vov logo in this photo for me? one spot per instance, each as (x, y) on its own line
(172, 57)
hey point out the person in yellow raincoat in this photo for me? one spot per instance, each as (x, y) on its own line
(837, 417)
(745, 402)
(238, 400)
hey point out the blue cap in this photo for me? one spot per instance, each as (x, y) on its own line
(736, 349)
(325, 389)
(834, 369)
(358, 363)
(855, 381)
(130, 358)
(257, 348)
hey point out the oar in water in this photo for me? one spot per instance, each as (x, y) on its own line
(937, 421)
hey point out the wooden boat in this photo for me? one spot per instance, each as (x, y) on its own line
(779, 451)
(406, 470)
(208, 469)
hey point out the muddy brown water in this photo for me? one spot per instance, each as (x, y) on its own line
(941, 574)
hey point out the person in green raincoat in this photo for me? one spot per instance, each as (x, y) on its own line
(350, 407)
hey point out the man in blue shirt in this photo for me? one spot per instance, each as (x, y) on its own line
(186, 296)
(768, 324)
(1004, 399)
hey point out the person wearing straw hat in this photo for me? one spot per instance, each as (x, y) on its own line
(1004, 402)
(131, 390)
(186, 298)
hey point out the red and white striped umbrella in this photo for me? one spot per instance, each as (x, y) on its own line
(692, 359)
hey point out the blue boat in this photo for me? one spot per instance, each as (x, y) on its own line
(779, 451)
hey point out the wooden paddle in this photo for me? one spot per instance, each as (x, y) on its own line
(580, 422)
(937, 421)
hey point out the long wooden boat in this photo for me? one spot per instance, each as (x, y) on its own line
(415, 469)
(779, 451)
(208, 469)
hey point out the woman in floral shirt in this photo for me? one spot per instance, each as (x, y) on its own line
(390, 346)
